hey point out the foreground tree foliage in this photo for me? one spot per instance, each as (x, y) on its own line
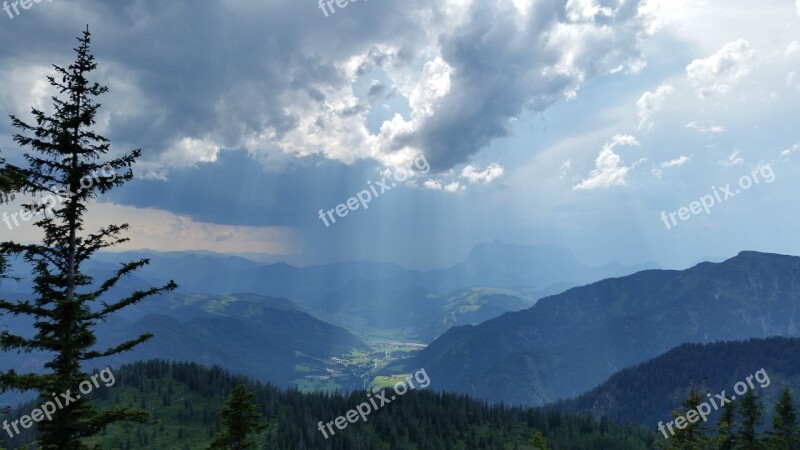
(694, 435)
(726, 431)
(66, 165)
(240, 419)
(741, 432)
(784, 434)
(751, 409)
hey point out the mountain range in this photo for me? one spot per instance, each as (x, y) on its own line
(383, 298)
(571, 342)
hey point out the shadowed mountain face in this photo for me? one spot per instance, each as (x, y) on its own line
(648, 392)
(261, 337)
(571, 342)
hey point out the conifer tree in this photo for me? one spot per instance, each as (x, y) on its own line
(751, 409)
(10, 182)
(538, 441)
(66, 166)
(784, 424)
(726, 433)
(240, 420)
(693, 436)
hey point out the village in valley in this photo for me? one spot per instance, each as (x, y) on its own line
(381, 366)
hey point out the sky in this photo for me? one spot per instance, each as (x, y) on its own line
(623, 130)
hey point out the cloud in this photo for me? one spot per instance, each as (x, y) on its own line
(504, 63)
(565, 166)
(793, 149)
(471, 173)
(453, 187)
(797, 4)
(166, 231)
(714, 129)
(733, 160)
(676, 162)
(474, 175)
(608, 171)
(650, 103)
(460, 71)
(791, 80)
(432, 185)
(587, 10)
(656, 14)
(792, 48)
(720, 72)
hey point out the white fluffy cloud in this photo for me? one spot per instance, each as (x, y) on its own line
(650, 103)
(433, 185)
(609, 170)
(720, 72)
(586, 10)
(659, 13)
(452, 187)
(471, 173)
(474, 175)
(683, 159)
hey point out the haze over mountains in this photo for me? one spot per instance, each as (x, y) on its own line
(294, 317)
(381, 296)
(527, 339)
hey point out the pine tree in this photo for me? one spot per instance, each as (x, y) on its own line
(65, 165)
(694, 435)
(538, 441)
(751, 409)
(10, 182)
(726, 434)
(784, 425)
(240, 419)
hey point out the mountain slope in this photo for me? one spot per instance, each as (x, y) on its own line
(571, 342)
(647, 392)
(186, 399)
(264, 338)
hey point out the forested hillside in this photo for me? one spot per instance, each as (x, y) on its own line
(647, 392)
(184, 400)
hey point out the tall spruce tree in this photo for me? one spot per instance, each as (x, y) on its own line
(751, 408)
(784, 424)
(65, 163)
(240, 420)
(693, 436)
(726, 432)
